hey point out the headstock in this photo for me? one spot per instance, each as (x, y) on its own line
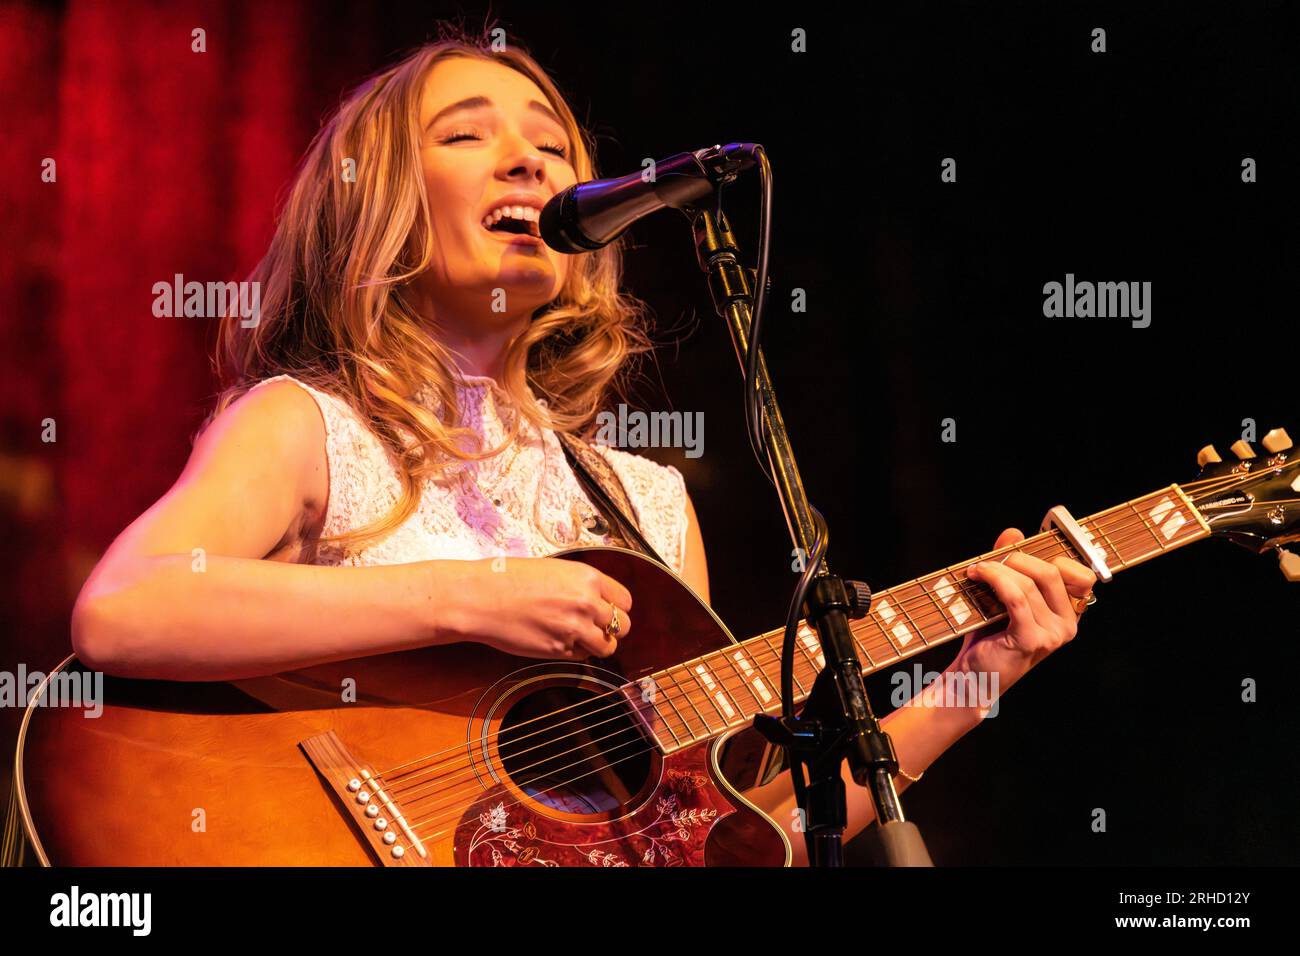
(1253, 499)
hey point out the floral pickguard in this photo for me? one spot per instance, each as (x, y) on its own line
(670, 830)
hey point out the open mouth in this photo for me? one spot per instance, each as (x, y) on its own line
(511, 221)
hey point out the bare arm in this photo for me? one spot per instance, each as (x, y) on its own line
(183, 593)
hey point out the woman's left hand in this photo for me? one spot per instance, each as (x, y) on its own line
(1039, 597)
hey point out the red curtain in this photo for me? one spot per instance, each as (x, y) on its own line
(165, 160)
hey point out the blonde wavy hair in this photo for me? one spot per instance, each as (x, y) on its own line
(335, 312)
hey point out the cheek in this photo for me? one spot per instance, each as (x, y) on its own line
(451, 210)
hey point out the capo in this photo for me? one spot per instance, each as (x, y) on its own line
(1080, 540)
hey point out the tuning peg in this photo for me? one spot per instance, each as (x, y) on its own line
(1277, 440)
(1207, 455)
(1290, 564)
(1241, 448)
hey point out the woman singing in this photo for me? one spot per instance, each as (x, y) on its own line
(388, 427)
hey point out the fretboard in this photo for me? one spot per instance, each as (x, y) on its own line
(704, 698)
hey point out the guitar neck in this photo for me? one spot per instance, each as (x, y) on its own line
(706, 697)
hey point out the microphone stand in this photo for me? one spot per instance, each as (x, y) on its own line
(837, 720)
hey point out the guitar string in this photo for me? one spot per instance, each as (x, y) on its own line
(908, 604)
(436, 817)
(443, 791)
(690, 692)
(599, 769)
(602, 760)
(1052, 539)
(563, 783)
(402, 783)
(917, 602)
(584, 710)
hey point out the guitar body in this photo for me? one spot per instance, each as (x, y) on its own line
(488, 759)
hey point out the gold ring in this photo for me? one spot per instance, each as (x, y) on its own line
(1082, 604)
(612, 628)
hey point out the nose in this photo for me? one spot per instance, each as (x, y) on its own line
(521, 159)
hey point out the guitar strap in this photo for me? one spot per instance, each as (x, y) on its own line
(747, 758)
(606, 491)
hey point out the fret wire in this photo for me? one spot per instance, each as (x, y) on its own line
(690, 699)
(902, 606)
(958, 587)
(897, 654)
(749, 687)
(929, 593)
(858, 641)
(667, 696)
(668, 672)
(654, 708)
(799, 645)
(883, 625)
(772, 689)
(1097, 525)
(974, 590)
(707, 696)
(702, 662)
(1151, 530)
(726, 690)
(794, 670)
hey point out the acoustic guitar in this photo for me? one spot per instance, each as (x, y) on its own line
(460, 755)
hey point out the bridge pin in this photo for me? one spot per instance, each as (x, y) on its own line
(390, 837)
(397, 852)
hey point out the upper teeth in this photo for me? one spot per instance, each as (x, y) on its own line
(526, 213)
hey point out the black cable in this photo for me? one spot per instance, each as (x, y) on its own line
(753, 403)
(758, 444)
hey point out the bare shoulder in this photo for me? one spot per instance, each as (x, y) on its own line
(251, 484)
(274, 429)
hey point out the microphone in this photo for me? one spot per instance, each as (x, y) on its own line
(590, 215)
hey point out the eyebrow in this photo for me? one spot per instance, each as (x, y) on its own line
(478, 102)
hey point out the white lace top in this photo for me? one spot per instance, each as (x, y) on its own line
(523, 502)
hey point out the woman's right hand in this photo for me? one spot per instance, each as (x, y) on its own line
(544, 607)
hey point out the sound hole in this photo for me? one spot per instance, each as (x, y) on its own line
(574, 750)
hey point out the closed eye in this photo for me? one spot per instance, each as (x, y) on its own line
(555, 148)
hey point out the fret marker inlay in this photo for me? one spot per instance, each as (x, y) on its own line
(900, 630)
(1166, 512)
(959, 610)
(710, 684)
(812, 644)
(755, 681)
(1162, 508)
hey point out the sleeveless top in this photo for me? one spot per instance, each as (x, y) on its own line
(523, 502)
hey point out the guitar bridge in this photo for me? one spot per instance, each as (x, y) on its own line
(361, 792)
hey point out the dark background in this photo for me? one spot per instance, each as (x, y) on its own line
(924, 302)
